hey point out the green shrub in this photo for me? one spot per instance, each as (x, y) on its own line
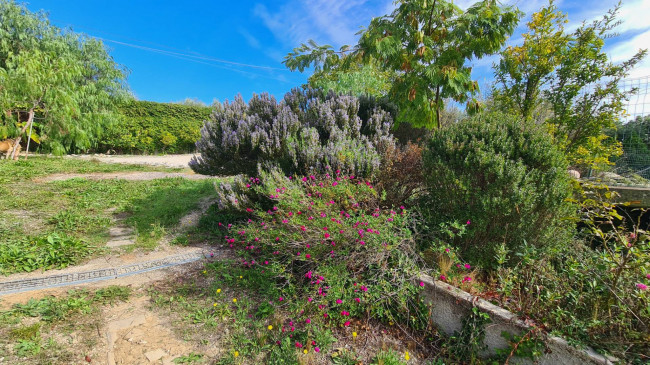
(307, 132)
(502, 176)
(148, 127)
(329, 250)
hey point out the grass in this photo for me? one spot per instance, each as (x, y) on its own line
(55, 224)
(30, 333)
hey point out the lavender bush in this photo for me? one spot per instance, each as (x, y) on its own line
(307, 132)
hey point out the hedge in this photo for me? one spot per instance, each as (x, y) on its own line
(150, 127)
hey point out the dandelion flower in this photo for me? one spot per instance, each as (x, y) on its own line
(270, 327)
(234, 300)
(236, 353)
(406, 356)
(354, 334)
(218, 291)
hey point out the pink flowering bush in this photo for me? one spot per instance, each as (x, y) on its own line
(332, 252)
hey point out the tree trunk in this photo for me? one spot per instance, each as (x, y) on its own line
(438, 113)
(30, 120)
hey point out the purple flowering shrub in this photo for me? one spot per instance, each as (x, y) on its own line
(333, 253)
(304, 133)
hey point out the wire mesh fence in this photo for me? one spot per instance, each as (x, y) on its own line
(634, 133)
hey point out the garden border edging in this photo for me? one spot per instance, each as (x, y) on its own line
(450, 305)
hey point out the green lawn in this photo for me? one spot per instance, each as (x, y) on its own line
(55, 224)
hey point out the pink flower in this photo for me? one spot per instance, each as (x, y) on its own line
(468, 266)
(316, 349)
(308, 274)
(339, 301)
(308, 321)
(280, 299)
(358, 300)
(469, 222)
(421, 283)
(642, 286)
(334, 183)
(298, 345)
(327, 235)
(443, 278)
(467, 279)
(647, 276)
(347, 323)
(309, 299)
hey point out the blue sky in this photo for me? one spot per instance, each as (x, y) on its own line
(156, 40)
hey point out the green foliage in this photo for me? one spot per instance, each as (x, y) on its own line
(149, 127)
(572, 75)
(424, 47)
(307, 132)
(318, 221)
(43, 252)
(66, 79)
(361, 79)
(467, 344)
(388, 357)
(505, 178)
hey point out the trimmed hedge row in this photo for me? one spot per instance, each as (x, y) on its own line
(149, 127)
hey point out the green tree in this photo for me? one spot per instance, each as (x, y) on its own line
(424, 45)
(66, 79)
(573, 75)
(524, 70)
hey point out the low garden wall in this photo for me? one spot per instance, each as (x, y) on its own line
(450, 305)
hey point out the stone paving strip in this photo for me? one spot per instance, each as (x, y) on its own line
(52, 281)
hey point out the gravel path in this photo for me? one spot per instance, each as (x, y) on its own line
(179, 161)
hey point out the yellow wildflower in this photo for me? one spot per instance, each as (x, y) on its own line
(218, 291)
(236, 353)
(304, 351)
(406, 356)
(270, 327)
(234, 300)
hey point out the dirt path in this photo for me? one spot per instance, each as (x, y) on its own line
(164, 160)
(133, 176)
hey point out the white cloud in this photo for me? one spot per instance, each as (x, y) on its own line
(250, 39)
(326, 21)
(624, 50)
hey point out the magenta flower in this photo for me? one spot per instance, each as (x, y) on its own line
(308, 321)
(469, 222)
(421, 283)
(443, 278)
(339, 301)
(316, 349)
(347, 323)
(642, 286)
(467, 279)
(468, 266)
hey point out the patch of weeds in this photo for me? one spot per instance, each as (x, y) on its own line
(77, 301)
(469, 342)
(27, 348)
(112, 294)
(44, 252)
(26, 333)
(76, 221)
(390, 357)
(181, 240)
(344, 357)
(192, 358)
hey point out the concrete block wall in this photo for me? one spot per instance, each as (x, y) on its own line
(450, 305)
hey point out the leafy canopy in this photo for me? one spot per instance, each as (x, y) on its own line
(572, 74)
(424, 45)
(65, 80)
